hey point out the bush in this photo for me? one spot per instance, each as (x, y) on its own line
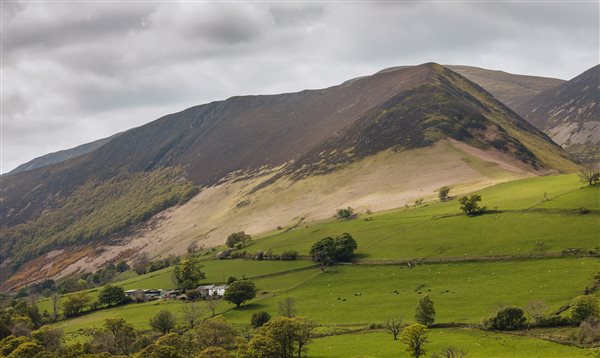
(506, 319)
(553, 321)
(222, 255)
(230, 280)
(193, 295)
(345, 214)
(443, 193)
(584, 307)
(238, 237)
(289, 255)
(260, 318)
(329, 250)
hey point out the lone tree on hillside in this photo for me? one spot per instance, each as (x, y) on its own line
(589, 174)
(188, 274)
(425, 312)
(394, 326)
(239, 292)
(345, 214)
(238, 237)
(443, 193)
(470, 205)
(112, 295)
(329, 250)
(415, 337)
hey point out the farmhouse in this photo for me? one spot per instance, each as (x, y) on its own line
(212, 290)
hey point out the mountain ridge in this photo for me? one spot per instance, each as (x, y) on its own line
(264, 141)
(570, 114)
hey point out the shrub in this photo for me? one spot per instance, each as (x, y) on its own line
(238, 237)
(260, 318)
(193, 295)
(345, 214)
(443, 193)
(506, 319)
(584, 307)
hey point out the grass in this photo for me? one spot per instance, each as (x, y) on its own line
(475, 342)
(462, 292)
(138, 314)
(438, 230)
(373, 290)
(217, 271)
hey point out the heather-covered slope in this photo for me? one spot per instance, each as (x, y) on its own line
(570, 114)
(510, 89)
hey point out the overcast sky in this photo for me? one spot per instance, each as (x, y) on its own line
(76, 72)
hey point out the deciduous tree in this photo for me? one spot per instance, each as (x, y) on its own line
(240, 292)
(414, 338)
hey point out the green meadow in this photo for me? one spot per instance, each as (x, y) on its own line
(475, 342)
(530, 211)
(475, 265)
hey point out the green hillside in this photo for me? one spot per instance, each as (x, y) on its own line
(548, 205)
(477, 265)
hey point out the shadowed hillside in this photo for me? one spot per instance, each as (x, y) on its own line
(569, 114)
(510, 89)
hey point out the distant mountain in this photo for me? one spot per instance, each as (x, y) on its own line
(255, 160)
(510, 89)
(569, 114)
(61, 156)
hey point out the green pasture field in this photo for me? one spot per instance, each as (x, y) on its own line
(475, 342)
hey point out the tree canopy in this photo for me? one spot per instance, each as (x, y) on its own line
(188, 274)
(240, 292)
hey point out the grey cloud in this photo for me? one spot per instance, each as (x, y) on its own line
(73, 73)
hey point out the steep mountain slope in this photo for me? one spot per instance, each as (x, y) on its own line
(266, 153)
(510, 89)
(569, 114)
(62, 155)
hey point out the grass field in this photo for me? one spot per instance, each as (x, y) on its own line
(217, 271)
(463, 293)
(543, 209)
(476, 343)
(438, 229)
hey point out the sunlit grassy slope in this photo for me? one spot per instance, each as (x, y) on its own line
(530, 211)
(476, 343)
